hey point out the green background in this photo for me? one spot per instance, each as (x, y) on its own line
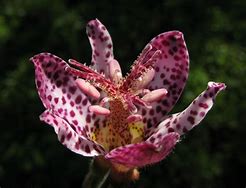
(212, 155)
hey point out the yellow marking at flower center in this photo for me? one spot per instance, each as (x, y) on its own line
(116, 131)
(137, 131)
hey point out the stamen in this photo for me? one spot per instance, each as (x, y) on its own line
(144, 63)
(99, 110)
(143, 54)
(154, 95)
(94, 78)
(75, 72)
(153, 59)
(80, 66)
(115, 71)
(141, 102)
(132, 108)
(143, 81)
(87, 88)
(119, 102)
(128, 103)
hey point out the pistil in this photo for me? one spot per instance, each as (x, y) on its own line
(123, 124)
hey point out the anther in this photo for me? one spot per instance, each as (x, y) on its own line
(99, 110)
(154, 95)
(115, 71)
(87, 88)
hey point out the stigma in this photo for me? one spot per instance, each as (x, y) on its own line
(130, 90)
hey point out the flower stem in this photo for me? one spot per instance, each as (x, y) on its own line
(96, 176)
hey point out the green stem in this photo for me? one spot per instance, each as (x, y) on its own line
(96, 176)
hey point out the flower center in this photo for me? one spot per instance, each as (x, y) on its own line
(123, 125)
(117, 131)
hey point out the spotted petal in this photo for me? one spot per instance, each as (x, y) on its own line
(171, 72)
(59, 92)
(102, 46)
(192, 115)
(69, 138)
(144, 153)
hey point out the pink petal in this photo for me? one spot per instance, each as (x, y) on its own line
(192, 115)
(144, 153)
(69, 138)
(102, 46)
(59, 92)
(171, 72)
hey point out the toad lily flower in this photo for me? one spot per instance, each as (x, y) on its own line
(95, 111)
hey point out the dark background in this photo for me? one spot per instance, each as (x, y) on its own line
(212, 155)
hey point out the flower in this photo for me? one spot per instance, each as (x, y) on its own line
(95, 111)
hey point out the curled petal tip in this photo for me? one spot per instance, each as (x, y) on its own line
(176, 34)
(33, 59)
(96, 19)
(41, 56)
(94, 22)
(219, 85)
(194, 113)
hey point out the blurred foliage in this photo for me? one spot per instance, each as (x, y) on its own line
(212, 155)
